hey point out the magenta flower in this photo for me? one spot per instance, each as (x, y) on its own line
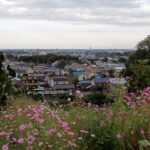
(70, 133)
(118, 136)
(142, 131)
(50, 131)
(41, 120)
(3, 133)
(80, 138)
(59, 135)
(19, 110)
(21, 140)
(69, 99)
(73, 122)
(132, 132)
(92, 135)
(40, 144)
(5, 147)
(22, 127)
(64, 124)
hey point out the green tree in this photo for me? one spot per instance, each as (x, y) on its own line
(61, 64)
(97, 98)
(11, 71)
(122, 60)
(138, 66)
(111, 73)
(5, 83)
(105, 59)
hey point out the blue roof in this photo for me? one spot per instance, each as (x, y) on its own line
(101, 81)
(98, 77)
(86, 81)
(53, 67)
(76, 74)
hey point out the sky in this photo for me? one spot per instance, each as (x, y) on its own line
(98, 24)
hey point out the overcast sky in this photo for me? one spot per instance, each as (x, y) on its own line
(73, 23)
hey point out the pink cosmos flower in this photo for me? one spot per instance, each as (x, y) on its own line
(50, 146)
(80, 138)
(64, 124)
(5, 147)
(132, 132)
(19, 110)
(73, 122)
(118, 136)
(72, 144)
(67, 114)
(40, 144)
(41, 120)
(59, 135)
(92, 135)
(70, 133)
(21, 140)
(142, 131)
(50, 131)
(69, 99)
(3, 133)
(22, 127)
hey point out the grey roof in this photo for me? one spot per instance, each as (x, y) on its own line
(101, 81)
(64, 86)
(56, 79)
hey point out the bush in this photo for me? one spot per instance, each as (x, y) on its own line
(97, 98)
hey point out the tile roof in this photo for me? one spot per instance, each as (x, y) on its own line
(31, 84)
(76, 74)
(101, 81)
(85, 81)
(64, 86)
(56, 79)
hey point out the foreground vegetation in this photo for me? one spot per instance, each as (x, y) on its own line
(124, 125)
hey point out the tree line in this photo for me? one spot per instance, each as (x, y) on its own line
(49, 59)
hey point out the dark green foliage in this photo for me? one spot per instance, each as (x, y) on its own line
(11, 71)
(49, 59)
(97, 98)
(137, 66)
(122, 60)
(11, 56)
(111, 73)
(105, 59)
(61, 64)
(5, 83)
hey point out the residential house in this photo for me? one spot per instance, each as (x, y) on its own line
(52, 81)
(101, 83)
(84, 84)
(63, 88)
(29, 71)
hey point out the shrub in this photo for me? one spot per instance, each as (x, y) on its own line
(97, 98)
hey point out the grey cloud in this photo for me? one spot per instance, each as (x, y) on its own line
(118, 12)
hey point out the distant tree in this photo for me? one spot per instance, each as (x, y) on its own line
(75, 81)
(122, 60)
(61, 64)
(105, 59)
(111, 73)
(10, 56)
(11, 71)
(5, 83)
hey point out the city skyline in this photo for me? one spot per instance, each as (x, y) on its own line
(68, 24)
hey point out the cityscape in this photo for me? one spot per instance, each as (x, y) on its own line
(92, 70)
